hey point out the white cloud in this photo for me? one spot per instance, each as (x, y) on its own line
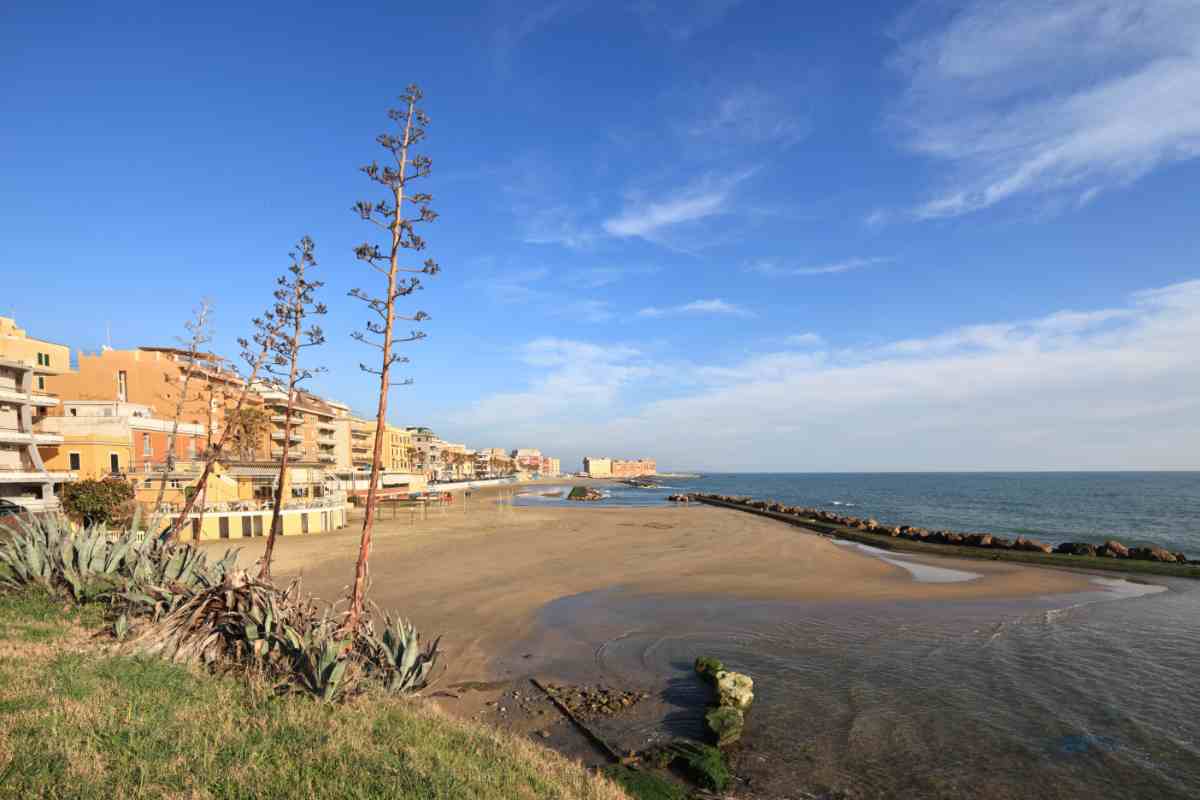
(706, 197)
(804, 340)
(775, 269)
(715, 306)
(1114, 387)
(1072, 96)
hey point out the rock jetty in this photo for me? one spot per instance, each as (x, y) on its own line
(1110, 549)
(585, 493)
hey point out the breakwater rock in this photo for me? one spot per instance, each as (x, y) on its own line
(1110, 549)
(585, 493)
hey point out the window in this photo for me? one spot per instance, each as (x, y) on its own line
(223, 527)
(114, 463)
(246, 527)
(74, 412)
(47, 359)
(74, 459)
(147, 449)
(41, 383)
(122, 386)
(258, 525)
(304, 523)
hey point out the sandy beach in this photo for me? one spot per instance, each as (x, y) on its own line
(479, 573)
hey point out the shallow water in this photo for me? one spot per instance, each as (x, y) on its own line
(1085, 695)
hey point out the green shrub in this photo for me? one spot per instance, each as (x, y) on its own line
(100, 502)
(643, 785)
(703, 764)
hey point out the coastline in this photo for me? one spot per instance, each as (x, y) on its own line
(480, 575)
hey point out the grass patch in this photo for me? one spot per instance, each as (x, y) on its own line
(84, 724)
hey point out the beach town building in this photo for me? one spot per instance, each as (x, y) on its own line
(551, 468)
(428, 451)
(527, 460)
(26, 364)
(153, 376)
(633, 469)
(107, 438)
(493, 462)
(597, 467)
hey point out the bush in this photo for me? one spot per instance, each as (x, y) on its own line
(95, 502)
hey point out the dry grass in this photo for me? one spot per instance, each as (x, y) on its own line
(78, 723)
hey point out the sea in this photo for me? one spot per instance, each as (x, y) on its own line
(1094, 694)
(1143, 508)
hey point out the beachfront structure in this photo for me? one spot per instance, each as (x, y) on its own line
(493, 462)
(633, 469)
(108, 438)
(597, 467)
(527, 459)
(153, 376)
(26, 364)
(311, 432)
(551, 467)
(24, 478)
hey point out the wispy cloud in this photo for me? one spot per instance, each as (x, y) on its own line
(1073, 96)
(775, 269)
(715, 306)
(749, 115)
(682, 19)
(517, 27)
(704, 198)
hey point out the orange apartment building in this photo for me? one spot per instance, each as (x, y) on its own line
(152, 377)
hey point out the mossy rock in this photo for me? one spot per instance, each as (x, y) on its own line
(709, 667)
(726, 723)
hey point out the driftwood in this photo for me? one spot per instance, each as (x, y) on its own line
(592, 736)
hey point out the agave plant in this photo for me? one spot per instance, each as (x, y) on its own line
(397, 656)
(323, 662)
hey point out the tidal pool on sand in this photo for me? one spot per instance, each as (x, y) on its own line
(1085, 695)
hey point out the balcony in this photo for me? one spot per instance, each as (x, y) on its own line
(8, 436)
(326, 427)
(26, 398)
(297, 419)
(328, 458)
(278, 436)
(326, 441)
(32, 476)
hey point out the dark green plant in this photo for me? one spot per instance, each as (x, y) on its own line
(703, 764)
(97, 502)
(642, 785)
(726, 723)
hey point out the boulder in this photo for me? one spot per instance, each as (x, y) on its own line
(978, 540)
(1032, 546)
(872, 525)
(1114, 549)
(1152, 554)
(1076, 549)
(1001, 543)
(726, 723)
(734, 689)
(954, 538)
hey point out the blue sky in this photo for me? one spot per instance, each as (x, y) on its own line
(744, 235)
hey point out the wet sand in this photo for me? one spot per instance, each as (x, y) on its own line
(479, 574)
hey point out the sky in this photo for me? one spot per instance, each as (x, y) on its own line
(727, 234)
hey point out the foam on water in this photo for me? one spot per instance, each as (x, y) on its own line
(922, 573)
